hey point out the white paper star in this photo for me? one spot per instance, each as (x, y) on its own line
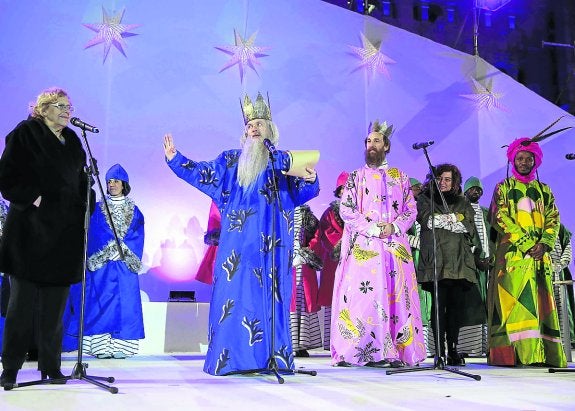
(111, 32)
(371, 58)
(484, 97)
(243, 53)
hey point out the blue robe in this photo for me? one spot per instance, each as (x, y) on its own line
(239, 332)
(113, 303)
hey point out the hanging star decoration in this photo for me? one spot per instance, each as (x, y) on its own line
(372, 59)
(484, 96)
(111, 32)
(243, 53)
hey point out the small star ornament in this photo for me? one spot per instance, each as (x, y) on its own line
(371, 58)
(111, 32)
(243, 53)
(484, 97)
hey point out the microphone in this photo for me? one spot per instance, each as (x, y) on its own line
(84, 126)
(570, 156)
(271, 148)
(425, 144)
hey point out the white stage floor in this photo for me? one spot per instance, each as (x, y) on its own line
(177, 382)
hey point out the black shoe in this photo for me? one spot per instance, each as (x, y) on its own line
(343, 364)
(55, 375)
(8, 379)
(378, 364)
(455, 359)
(397, 364)
(301, 353)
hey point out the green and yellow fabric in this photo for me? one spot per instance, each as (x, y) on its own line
(522, 315)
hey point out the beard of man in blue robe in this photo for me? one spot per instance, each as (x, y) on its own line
(256, 238)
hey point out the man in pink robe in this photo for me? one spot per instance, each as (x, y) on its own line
(376, 318)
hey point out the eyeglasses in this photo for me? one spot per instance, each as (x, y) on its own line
(63, 107)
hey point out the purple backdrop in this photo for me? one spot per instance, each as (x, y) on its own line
(324, 90)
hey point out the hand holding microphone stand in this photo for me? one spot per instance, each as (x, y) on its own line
(438, 361)
(79, 371)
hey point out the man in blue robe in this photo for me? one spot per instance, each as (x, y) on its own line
(255, 229)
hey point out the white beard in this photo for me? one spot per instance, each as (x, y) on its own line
(252, 162)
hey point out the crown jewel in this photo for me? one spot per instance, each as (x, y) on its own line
(259, 109)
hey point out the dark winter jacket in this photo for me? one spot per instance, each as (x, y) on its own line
(43, 244)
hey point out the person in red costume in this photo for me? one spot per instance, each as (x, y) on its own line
(205, 272)
(327, 245)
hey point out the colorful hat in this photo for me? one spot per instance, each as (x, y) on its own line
(472, 182)
(531, 145)
(117, 172)
(524, 144)
(341, 179)
(414, 181)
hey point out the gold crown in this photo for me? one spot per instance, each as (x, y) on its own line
(382, 128)
(252, 111)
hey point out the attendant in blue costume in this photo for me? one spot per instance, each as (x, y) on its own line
(113, 312)
(240, 183)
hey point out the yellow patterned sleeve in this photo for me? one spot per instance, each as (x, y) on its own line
(552, 221)
(507, 223)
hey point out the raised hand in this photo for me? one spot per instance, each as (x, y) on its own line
(169, 147)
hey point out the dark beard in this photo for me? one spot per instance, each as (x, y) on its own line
(374, 158)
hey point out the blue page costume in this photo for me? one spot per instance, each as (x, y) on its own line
(239, 332)
(113, 313)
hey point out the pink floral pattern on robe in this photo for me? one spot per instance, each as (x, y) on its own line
(375, 312)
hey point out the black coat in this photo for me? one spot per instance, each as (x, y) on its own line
(43, 244)
(454, 257)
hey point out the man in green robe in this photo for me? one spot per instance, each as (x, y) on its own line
(522, 315)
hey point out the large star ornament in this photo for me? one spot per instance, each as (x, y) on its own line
(111, 32)
(243, 53)
(373, 60)
(484, 96)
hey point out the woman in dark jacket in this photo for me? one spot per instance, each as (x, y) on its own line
(455, 234)
(42, 175)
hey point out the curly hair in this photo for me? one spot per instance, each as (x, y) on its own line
(48, 96)
(455, 175)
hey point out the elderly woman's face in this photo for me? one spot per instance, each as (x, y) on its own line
(57, 114)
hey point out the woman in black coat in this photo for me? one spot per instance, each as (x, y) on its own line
(455, 235)
(42, 176)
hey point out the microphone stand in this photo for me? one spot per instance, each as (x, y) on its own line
(79, 371)
(272, 365)
(438, 361)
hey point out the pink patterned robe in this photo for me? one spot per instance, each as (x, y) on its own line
(375, 309)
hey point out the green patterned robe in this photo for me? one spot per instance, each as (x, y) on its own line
(522, 315)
